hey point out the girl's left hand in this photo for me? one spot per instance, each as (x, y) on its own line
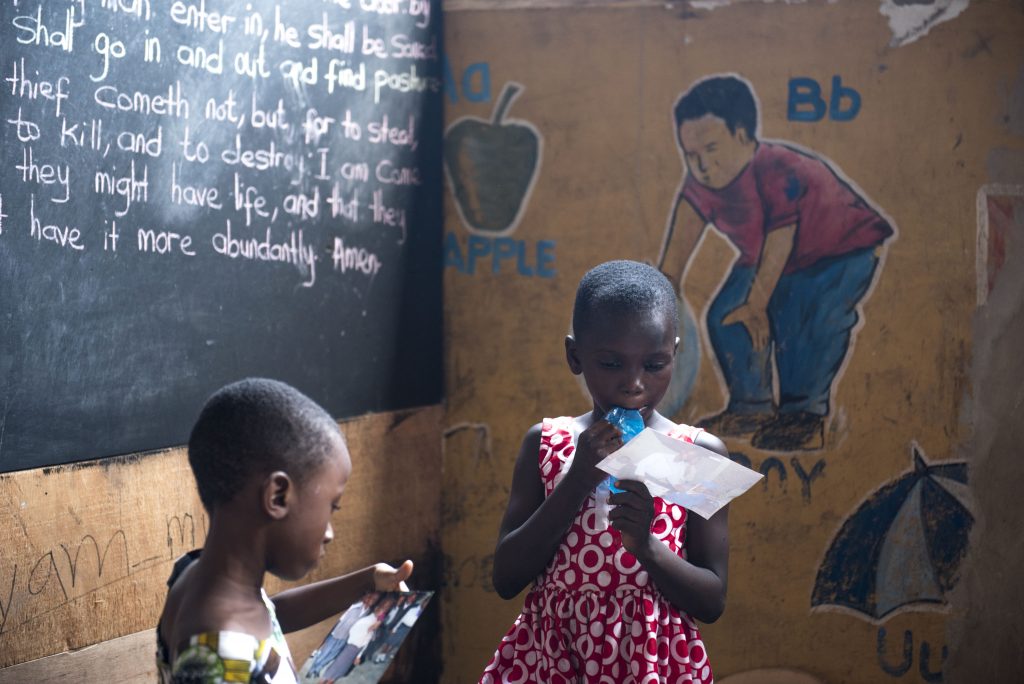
(387, 578)
(632, 515)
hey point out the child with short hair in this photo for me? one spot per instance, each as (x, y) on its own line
(609, 604)
(270, 465)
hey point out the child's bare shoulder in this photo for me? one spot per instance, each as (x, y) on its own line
(196, 607)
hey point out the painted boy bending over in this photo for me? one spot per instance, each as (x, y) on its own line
(809, 244)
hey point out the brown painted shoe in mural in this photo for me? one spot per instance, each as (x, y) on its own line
(730, 424)
(797, 431)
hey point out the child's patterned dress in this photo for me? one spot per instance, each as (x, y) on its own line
(225, 656)
(594, 616)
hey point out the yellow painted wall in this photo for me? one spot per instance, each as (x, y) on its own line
(940, 118)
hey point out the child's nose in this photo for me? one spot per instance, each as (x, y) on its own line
(329, 534)
(634, 384)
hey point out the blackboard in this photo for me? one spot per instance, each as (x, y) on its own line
(196, 191)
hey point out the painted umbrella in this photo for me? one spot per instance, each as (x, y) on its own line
(902, 546)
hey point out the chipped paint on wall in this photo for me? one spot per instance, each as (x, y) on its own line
(1000, 220)
(913, 19)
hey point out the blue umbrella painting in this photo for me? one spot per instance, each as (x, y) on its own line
(903, 546)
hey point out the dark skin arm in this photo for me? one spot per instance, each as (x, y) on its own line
(307, 605)
(534, 524)
(697, 584)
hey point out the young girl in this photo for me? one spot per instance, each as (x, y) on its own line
(271, 466)
(608, 604)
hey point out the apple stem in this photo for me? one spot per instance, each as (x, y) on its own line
(505, 101)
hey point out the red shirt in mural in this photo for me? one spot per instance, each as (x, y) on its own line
(782, 186)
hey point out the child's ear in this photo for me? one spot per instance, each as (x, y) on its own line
(278, 494)
(571, 356)
(742, 136)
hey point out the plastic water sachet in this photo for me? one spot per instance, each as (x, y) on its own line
(630, 424)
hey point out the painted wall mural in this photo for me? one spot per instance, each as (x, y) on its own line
(491, 166)
(821, 231)
(808, 243)
(902, 547)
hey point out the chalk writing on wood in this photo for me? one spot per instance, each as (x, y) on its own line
(81, 566)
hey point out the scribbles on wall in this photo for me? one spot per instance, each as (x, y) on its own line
(1000, 222)
(467, 451)
(901, 548)
(491, 166)
(810, 246)
(80, 566)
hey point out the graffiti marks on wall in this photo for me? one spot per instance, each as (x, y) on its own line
(809, 245)
(901, 548)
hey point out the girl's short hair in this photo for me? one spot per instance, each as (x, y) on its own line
(256, 426)
(623, 287)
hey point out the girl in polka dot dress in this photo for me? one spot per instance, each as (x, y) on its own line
(612, 601)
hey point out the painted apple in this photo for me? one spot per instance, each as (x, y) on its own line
(491, 166)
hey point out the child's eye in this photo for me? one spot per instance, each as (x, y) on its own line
(655, 367)
(608, 364)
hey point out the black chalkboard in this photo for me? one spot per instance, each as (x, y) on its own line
(195, 191)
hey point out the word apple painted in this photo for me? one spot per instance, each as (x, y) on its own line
(538, 261)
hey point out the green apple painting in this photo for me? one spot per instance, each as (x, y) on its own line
(491, 166)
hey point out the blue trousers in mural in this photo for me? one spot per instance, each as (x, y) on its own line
(811, 314)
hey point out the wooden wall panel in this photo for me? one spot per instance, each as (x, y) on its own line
(87, 547)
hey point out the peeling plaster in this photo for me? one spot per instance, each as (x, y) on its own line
(986, 621)
(913, 19)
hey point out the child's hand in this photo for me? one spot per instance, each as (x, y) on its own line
(387, 578)
(633, 515)
(593, 446)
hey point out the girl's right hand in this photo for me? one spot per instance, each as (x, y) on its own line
(594, 444)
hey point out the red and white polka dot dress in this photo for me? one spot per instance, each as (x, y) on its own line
(594, 616)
